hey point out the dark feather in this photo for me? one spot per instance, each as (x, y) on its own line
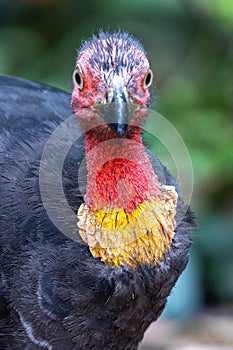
(53, 293)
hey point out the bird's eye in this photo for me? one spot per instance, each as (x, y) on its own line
(148, 79)
(78, 79)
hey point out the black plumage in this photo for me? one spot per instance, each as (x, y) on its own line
(53, 293)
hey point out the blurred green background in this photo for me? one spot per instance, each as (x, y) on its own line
(190, 46)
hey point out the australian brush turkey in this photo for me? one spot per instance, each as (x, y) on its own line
(103, 289)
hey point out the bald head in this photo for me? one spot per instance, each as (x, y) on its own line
(109, 67)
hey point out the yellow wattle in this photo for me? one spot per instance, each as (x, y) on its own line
(139, 237)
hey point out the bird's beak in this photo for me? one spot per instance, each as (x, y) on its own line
(118, 98)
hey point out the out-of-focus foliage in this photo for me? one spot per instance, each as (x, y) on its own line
(190, 46)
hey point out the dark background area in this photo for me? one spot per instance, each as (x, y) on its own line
(190, 46)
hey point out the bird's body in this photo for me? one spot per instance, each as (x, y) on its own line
(57, 293)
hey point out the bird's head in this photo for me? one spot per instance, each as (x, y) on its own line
(112, 68)
(128, 216)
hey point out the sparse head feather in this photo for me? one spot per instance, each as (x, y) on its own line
(116, 51)
(105, 57)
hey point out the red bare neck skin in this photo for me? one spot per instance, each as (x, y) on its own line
(120, 175)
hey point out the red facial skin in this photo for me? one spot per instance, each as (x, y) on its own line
(97, 83)
(119, 172)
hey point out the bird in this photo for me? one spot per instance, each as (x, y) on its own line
(100, 279)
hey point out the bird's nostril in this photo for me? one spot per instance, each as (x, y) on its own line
(105, 98)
